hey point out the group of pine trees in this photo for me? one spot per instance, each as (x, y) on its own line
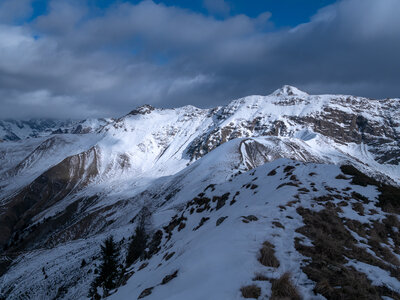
(111, 271)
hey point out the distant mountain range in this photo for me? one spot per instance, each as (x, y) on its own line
(311, 181)
(15, 130)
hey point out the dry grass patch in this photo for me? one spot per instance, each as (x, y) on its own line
(292, 202)
(380, 232)
(359, 197)
(373, 212)
(359, 208)
(323, 287)
(389, 195)
(287, 183)
(358, 177)
(267, 255)
(260, 277)
(324, 198)
(383, 252)
(278, 224)
(283, 288)
(251, 291)
(357, 227)
(303, 190)
(249, 218)
(332, 246)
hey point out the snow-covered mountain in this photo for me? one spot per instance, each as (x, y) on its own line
(14, 130)
(219, 183)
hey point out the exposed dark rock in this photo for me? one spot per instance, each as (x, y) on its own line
(202, 221)
(146, 292)
(142, 110)
(169, 277)
(220, 220)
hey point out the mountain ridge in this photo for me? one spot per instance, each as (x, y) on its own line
(73, 187)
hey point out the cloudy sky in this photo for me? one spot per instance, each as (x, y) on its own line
(89, 58)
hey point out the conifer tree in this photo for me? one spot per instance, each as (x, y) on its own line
(138, 243)
(109, 273)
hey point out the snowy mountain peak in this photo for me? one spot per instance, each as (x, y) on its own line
(288, 90)
(142, 110)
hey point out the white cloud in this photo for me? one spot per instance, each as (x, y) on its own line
(152, 53)
(218, 7)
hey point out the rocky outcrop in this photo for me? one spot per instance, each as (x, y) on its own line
(142, 110)
(344, 119)
(45, 191)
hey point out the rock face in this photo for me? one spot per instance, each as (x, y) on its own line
(73, 173)
(344, 119)
(70, 184)
(142, 110)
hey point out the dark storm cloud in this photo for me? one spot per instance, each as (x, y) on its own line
(73, 63)
(11, 10)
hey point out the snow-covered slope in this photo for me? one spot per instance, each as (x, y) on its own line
(215, 242)
(213, 230)
(64, 191)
